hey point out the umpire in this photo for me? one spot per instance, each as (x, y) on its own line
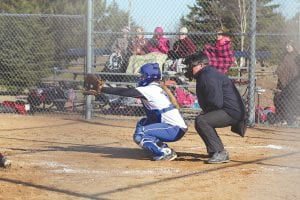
(221, 105)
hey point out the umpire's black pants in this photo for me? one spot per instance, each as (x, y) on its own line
(205, 125)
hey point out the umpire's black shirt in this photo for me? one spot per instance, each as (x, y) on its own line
(216, 91)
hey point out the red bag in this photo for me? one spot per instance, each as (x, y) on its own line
(184, 98)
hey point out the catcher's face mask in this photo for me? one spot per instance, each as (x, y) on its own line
(149, 72)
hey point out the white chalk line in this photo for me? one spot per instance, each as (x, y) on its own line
(56, 167)
(59, 168)
(270, 146)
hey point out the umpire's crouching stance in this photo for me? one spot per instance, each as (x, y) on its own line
(221, 103)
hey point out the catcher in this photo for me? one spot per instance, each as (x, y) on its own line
(163, 121)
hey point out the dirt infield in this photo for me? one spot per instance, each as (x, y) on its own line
(63, 158)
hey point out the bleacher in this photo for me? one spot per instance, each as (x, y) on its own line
(130, 80)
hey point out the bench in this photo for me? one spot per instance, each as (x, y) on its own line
(122, 77)
(126, 79)
(75, 53)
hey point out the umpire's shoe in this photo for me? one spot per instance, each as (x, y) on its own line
(219, 157)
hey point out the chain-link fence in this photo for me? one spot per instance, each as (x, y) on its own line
(44, 58)
(33, 48)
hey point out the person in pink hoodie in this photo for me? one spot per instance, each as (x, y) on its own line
(158, 43)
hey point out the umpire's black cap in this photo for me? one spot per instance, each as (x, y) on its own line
(192, 61)
(196, 59)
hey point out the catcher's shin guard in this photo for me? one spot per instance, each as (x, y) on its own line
(137, 138)
(148, 143)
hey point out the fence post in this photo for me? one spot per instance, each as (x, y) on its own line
(299, 28)
(89, 55)
(251, 93)
(129, 13)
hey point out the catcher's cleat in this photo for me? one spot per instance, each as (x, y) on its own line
(169, 154)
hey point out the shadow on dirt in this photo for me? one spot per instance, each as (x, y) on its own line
(105, 151)
(52, 189)
(192, 157)
(125, 153)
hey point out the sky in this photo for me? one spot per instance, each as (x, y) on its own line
(152, 13)
(289, 7)
(166, 13)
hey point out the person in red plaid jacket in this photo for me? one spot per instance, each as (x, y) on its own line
(221, 55)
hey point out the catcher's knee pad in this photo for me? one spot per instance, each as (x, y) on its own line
(141, 139)
(138, 134)
(141, 122)
(137, 138)
(139, 130)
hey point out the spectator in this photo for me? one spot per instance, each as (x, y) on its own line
(220, 55)
(137, 46)
(158, 43)
(118, 60)
(183, 47)
(121, 43)
(288, 68)
(221, 104)
(287, 100)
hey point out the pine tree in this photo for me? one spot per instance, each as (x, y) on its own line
(31, 45)
(26, 52)
(207, 16)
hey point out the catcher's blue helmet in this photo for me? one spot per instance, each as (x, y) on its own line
(149, 72)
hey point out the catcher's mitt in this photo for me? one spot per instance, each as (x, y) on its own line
(92, 85)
